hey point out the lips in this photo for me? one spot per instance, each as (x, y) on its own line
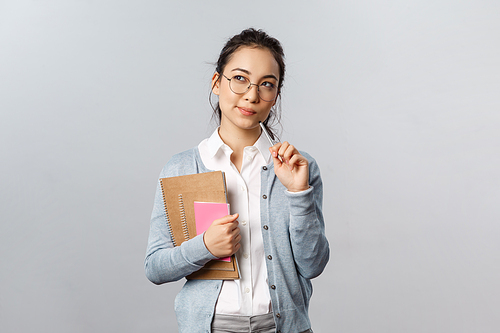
(246, 111)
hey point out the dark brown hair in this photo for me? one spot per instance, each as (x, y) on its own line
(258, 39)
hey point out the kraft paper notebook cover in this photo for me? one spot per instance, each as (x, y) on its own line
(179, 195)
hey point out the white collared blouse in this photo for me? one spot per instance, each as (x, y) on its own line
(248, 296)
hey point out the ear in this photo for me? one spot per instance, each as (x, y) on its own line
(216, 83)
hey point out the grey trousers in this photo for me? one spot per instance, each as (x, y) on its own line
(244, 324)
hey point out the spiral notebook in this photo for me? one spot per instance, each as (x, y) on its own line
(179, 195)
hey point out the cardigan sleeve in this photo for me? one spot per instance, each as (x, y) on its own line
(164, 262)
(310, 247)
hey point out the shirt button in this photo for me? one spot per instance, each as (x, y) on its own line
(243, 223)
(247, 290)
(264, 196)
(249, 158)
(265, 227)
(243, 188)
(245, 255)
(270, 257)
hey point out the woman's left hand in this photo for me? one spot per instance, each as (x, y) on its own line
(293, 169)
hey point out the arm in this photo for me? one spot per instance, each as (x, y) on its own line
(302, 179)
(307, 229)
(164, 262)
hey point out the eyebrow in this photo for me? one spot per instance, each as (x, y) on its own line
(248, 72)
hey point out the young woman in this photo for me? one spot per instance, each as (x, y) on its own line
(276, 230)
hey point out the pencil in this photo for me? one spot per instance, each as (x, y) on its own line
(271, 141)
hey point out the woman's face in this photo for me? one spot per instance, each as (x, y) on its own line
(244, 111)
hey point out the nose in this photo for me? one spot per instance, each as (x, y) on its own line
(252, 95)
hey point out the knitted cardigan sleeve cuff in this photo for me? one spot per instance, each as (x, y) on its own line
(301, 203)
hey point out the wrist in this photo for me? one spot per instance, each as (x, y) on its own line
(298, 189)
(205, 243)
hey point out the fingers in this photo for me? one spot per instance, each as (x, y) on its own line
(226, 219)
(293, 168)
(234, 241)
(223, 236)
(297, 160)
(274, 153)
(229, 228)
(288, 153)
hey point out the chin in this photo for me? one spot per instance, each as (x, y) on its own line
(242, 122)
(249, 124)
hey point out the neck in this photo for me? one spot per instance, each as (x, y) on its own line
(237, 139)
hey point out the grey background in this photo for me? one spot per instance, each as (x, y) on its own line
(397, 100)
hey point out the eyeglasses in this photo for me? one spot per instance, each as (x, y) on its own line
(240, 85)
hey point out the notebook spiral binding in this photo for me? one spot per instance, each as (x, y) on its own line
(169, 226)
(183, 218)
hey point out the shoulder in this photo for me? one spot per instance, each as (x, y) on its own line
(184, 163)
(183, 157)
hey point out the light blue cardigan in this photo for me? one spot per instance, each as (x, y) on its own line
(295, 246)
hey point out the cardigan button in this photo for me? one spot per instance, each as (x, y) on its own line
(270, 257)
(278, 315)
(265, 227)
(264, 196)
(264, 168)
(273, 287)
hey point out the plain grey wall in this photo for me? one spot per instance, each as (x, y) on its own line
(397, 100)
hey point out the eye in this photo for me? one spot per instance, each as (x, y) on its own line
(240, 78)
(268, 85)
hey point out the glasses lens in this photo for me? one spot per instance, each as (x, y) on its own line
(268, 91)
(239, 84)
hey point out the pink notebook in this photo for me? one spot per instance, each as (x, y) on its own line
(205, 213)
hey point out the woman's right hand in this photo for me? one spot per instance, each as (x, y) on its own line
(223, 237)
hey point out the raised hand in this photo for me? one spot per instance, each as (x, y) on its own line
(293, 168)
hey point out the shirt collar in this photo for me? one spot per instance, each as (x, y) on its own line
(215, 144)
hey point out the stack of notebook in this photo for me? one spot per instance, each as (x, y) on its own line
(206, 191)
